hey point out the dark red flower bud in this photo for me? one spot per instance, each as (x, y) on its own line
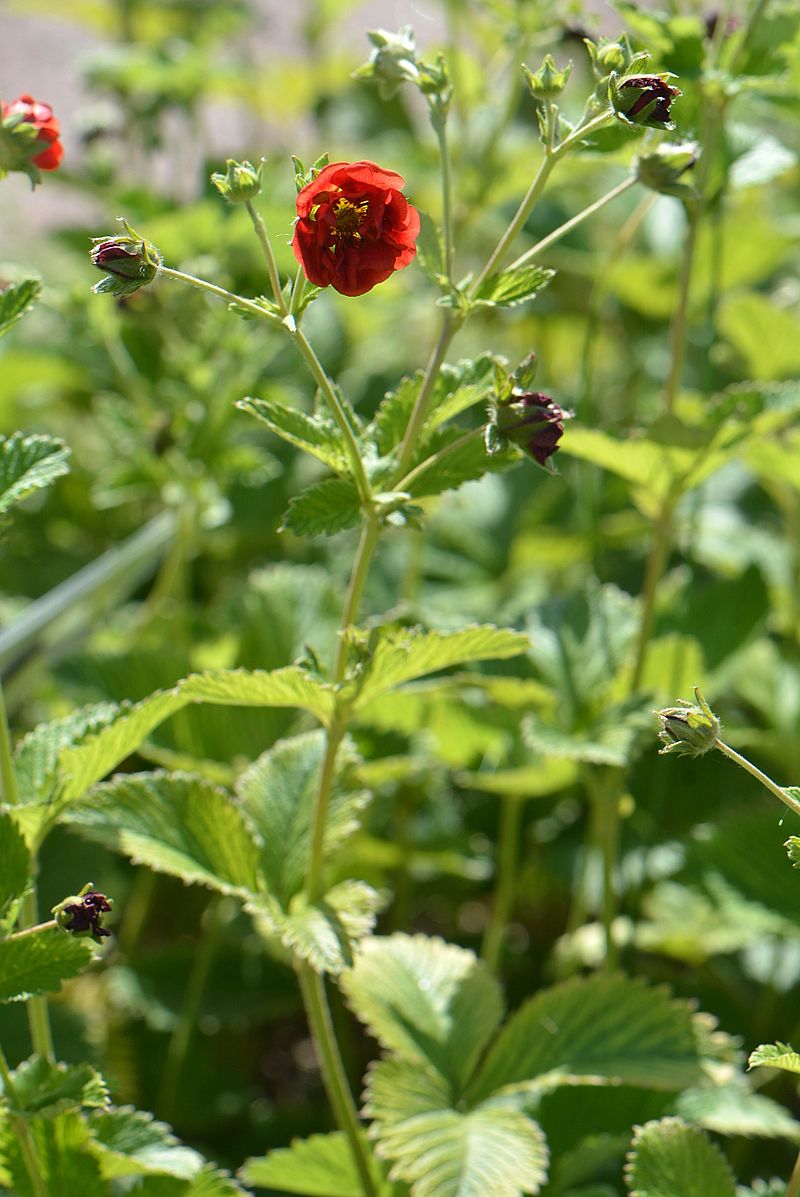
(81, 914)
(533, 421)
(130, 262)
(644, 100)
(354, 228)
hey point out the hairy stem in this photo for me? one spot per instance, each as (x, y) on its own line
(237, 301)
(269, 256)
(793, 1187)
(569, 225)
(7, 776)
(439, 123)
(450, 325)
(773, 787)
(24, 1136)
(653, 573)
(38, 1010)
(511, 810)
(315, 1000)
(431, 462)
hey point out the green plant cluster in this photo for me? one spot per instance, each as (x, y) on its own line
(348, 706)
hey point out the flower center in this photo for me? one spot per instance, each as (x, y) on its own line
(349, 217)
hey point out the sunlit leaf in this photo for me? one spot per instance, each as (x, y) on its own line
(669, 1157)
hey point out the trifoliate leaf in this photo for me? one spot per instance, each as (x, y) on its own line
(426, 1000)
(669, 1158)
(445, 1152)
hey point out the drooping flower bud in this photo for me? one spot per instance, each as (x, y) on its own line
(130, 262)
(643, 100)
(241, 182)
(393, 61)
(81, 914)
(661, 169)
(548, 81)
(531, 420)
(619, 56)
(691, 729)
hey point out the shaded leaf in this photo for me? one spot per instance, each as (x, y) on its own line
(16, 861)
(37, 961)
(735, 1109)
(320, 1166)
(668, 1157)
(44, 1087)
(28, 463)
(775, 1055)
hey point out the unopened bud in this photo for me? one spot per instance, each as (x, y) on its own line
(661, 169)
(130, 262)
(533, 421)
(691, 729)
(643, 100)
(548, 81)
(393, 61)
(81, 914)
(241, 181)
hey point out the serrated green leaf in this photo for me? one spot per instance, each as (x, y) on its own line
(426, 1000)
(669, 1158)
(603, 1029)
(394, 410)
(16, 860)
(208, 1183)
(175, 823)
(735, 1109)
(28, 463)
(458, 387)
(430, 249)
(326, 932)
(402, 656)
(513, 286)
(320, 1166)
(612, 739)
(792, 845)
(15, 299)
(92, 760)
(129, 1142)
(46, 1088)
(324, 509)
(37, 961)
(65, 1165)
(443, 1152)
(313, 434)
(775, 1055)
(278, 792)
(459, 457)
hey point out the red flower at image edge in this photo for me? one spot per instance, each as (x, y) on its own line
(355, 227)
(48, 129)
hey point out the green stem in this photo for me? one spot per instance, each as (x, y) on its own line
(370, 532)
(297, 291)
(269, 256)
(180, 1040)
(569, 225)
(551, 157)
(654, 571)
(431, 462)
(320, 1023)
(506, 887)
(793, 1187)
(605, 829)
(238, 301)
(678, 327)
(25, 1140)
(38, 1011)
(450, 325)
(439, 123)
(7, 776)
(773, 787)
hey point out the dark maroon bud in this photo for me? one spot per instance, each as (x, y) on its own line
(81, 914)
(644, 100)
(533, 421)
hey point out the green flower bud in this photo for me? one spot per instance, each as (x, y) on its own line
(661, 169)
(692, 729)
(548, 81)
(393, 62)
(242, 181)
(130, 262)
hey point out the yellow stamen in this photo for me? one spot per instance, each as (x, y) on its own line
(349, 216)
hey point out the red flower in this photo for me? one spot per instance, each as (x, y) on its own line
(355, 227)
(34, 112)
